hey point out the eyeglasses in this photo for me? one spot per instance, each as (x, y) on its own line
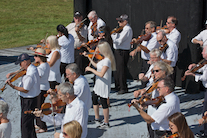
(120, 21)
(168, 22)
(35, 55)
(157, 70)
(65, 134)
(160, 40)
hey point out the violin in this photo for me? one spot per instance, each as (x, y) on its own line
(118, 29)
(97, 55)
(164, 28)
(164, 47)
(145, 37)
(47, 108)
(90, 43)
(196, 67)
(46, 48)
(15, 76)
(94, 29)
(155, 101)
(175, 135)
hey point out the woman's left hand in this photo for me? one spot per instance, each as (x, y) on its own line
(88, 68)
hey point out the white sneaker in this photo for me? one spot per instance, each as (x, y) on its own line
(103, 125)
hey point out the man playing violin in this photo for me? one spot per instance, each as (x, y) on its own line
(152, 43)
(75, 110)
(94, 25)
(202, 77)
(121, 44)
(29, 89)
(79, 32)
(174, 34)
(159, 119)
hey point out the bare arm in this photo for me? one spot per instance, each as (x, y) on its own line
(100, 74)
(55, 57)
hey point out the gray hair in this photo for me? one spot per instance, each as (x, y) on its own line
(4, 108)
(73, 67)
(92, 14)
(168, 82)
(66, 87)
(162, 32)
(156, 52)
(164, 67)
(152, 24)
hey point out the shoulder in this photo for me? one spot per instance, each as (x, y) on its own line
(100, 21)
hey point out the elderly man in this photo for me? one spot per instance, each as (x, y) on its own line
(75, 110)
(174, 34)
(159, 119)
(201, 38)
(79, 33)
(146, 46)
(29, 89)
(81, 87)
(121, 44)
(94, 25)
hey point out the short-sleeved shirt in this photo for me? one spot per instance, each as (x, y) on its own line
(175, 36)
(202, 36)
(165, 110)
(30, 82)
(202, 77)
(44, 70)
(5, 130)
(103, 85)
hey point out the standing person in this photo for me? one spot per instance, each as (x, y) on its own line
(121, 44)
(94, 25)
(79, 32)
(66, 43)
(43, 70)
(103, 81)
(54, 61)
(201, 38)
(75, 110)
(174, 35)
(5, 124)
(29, 89)
(72, 129)
(80, 84)
(178, 124)
(202, 77)
(159, 119)
(104, 32)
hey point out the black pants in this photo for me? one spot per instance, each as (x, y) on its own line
(81, 60)
(158, 134)
(102, 100)
(120, 75)
(27, 120)
(151, 132)
(204, 110)
(145, 66)
(62, 68)
(40, 101)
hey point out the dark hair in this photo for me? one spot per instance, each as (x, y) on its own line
(168, 82)
(174, 20)
(43, 59)
(61, 28)
(108, 38)
(183, 129)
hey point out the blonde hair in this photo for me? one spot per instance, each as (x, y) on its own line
(73, 129)
(106, 51)
(52, 40)
(164, 67)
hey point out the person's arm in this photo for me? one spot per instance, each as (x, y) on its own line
(21, 89)
(54, 58)
(195, 41)
(100, 74)
(144, 115)
(81, 38)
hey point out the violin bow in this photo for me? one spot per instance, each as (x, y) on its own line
(161, 24)
(78, 24)
(92, 57)
(53, 116)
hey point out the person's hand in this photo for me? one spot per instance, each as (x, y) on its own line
(139, 92)
(85, 54)
(38, 113)
(133, 53)
(134, 103)
(88, 68)
(200, 43)
(43, 40)
(187, 73)
(8, 75)
(191, 66)
(205, 114)
(56, 135)
(141, 76)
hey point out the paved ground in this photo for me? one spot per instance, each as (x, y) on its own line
(124, 122)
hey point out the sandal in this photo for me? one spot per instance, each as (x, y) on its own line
(41, 131)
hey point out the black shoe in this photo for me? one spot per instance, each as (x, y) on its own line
(122, 92)
(202, 135)
(114, 89)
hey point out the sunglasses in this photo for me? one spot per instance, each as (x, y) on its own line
(35, 55)
(65, 134)
(157, 70)
(159, 40)
(121, 21)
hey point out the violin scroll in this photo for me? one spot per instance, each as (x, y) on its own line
(118, 29)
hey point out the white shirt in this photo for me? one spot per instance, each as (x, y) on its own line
(100, 23)
(171, 53)
(175, 36)
(122, 40)
(165, 110)
(67, 48)
(202, 77)
(151, 44)
(44, 70)
(82, 90)
(202, 36)
(55, 69)
(76, 110)
(5, 130)
(30, 82)
(103, 85)
(83, 32)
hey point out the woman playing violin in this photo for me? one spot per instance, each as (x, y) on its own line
(178, 124)
(103, 80)
(43, 70)
(29, 89)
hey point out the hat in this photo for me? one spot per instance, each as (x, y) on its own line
(122, 17)
(40, 52)
(21, 58)
(77, 14)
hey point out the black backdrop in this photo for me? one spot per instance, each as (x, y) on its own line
(191, 17)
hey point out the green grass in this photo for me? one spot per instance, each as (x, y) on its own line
(26, 22)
